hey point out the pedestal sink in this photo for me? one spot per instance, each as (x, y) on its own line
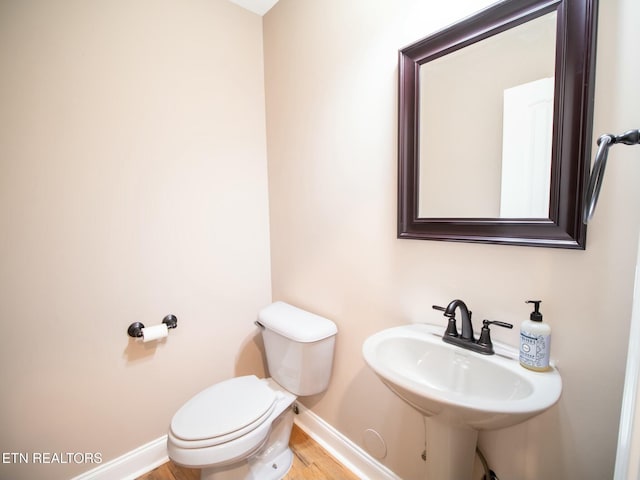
(459, 391)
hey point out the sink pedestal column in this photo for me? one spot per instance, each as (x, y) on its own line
(450, 450)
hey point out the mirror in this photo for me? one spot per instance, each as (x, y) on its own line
(495, 126)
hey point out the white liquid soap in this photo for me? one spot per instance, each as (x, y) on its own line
(535, 341)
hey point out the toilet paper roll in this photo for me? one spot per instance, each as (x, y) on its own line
(154, 333)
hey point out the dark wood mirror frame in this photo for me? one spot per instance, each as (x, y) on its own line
(572, 127)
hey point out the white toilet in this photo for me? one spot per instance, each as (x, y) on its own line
(239, 429)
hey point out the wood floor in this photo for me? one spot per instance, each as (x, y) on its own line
(310, 462)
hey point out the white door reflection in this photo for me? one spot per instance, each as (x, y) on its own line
(526, 150)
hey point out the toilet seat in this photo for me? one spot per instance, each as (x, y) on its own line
(217, 452)
(223, 412)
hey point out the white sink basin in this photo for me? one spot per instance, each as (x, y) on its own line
(460, 387)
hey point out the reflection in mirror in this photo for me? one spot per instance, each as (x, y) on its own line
(486, 118)
(527, 127)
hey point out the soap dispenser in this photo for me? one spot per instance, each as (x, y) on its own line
(535, 341)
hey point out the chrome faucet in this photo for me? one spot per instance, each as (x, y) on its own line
(466, 338)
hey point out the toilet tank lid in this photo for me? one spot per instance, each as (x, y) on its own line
(296, 324)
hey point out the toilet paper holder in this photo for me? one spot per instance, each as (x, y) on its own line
(135, 329)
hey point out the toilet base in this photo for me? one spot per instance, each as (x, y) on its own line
(271, 462)
(275, 470)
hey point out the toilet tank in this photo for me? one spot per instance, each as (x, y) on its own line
(299, 346)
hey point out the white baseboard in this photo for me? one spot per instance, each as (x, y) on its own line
(341, 448)
(131, 465)
(143, 459)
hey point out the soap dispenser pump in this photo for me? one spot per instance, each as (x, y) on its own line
(535, 341)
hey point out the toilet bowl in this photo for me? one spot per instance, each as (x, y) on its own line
(230, 422)
(239, 429)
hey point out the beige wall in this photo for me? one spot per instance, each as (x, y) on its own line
(331, 83)
(133, 184)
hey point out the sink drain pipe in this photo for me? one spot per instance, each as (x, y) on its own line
(488, 473)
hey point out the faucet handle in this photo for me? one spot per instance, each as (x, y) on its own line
(452, 330)
(486, 323)
(485, 333)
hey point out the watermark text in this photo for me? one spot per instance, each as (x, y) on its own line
(51, 457)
